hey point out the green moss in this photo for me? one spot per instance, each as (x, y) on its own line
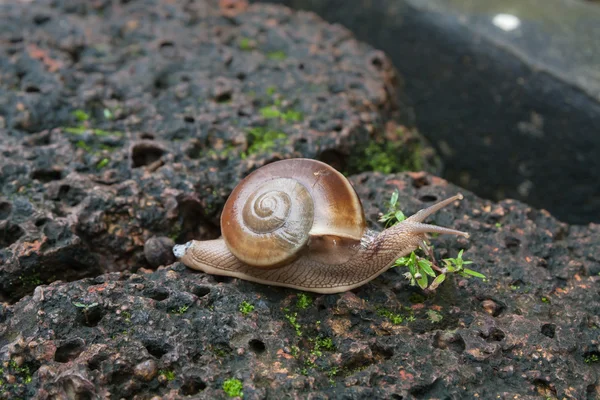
(31, 281)
(394, 318)
(102, 163)
(181, 310)
(245, 44)
(434, 316)
(80, 130)
(387, 156)
(168, 374)
(592, 359)
(81, 115)
(263, 140)
(304, 301)
(233, 387)
(246, 308)
(271, 90)
(21, 372)
(276, 55)
(272, 112)
(293, 320)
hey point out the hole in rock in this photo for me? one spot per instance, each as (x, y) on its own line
(71, 195)
(377, 62)
(428, 198)
(420, 181)
(69, 350)
(189, 119)
(382, 352)
(549, 330)
(222, 279)
(156, 348)
(512, 243)
(40, 19)
(192, 386)
(5, 209)
(148, 136)
(157, 293)
(145, 153)
(224, 97)
(257, 346)
(9, 233)
(32, 89)
(95, 361)
(92, 316)
(41, 221)
(166, 45)
(201, 291)
(47, 175)
(448, 340)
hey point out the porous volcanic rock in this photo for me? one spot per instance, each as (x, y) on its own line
(120, 122)
(530, 330)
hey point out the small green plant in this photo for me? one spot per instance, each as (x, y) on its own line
(246, 308)
(81, 115)
(262, 140)
(592, 358)
(434, 316)
(394, 215)
(245, 44)
(32, 280)
(304, 301)
(168, 374)
(323, 343)
(181, 309)
(420, 269)
(233, 387)
(394, 318)
(293, 320)
(277, 55)
(389, 155)
(84, 306)
(102, 163)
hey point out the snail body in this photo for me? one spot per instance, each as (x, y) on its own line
(299, 223)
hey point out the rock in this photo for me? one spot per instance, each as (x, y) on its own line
(176, 332)
(159, 251)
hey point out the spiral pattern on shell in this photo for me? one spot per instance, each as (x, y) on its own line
(276, 220)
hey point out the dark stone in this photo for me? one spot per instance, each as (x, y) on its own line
(513, 113)
(178, 331)
(159, 251)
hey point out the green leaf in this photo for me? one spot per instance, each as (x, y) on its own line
(437, 281)
(422, 281)
(412, 264)
(400, 216)
(474, 273)
(394, 199)
(425, 266)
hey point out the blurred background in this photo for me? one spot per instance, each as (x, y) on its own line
(507, 92)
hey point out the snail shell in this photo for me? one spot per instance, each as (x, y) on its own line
(284, 207)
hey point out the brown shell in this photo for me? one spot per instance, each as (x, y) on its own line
(324, 210)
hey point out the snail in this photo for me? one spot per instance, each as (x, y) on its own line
(299, 223)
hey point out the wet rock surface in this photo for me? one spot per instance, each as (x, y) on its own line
(531, 330)
(123, 128)
(123, 122)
